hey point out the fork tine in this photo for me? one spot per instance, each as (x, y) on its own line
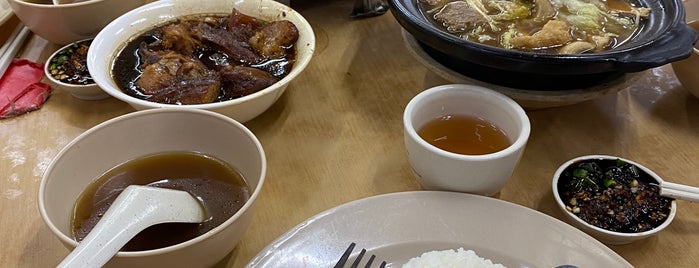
(358, 259)
(371, 260)
(348, 252)
(343, 260)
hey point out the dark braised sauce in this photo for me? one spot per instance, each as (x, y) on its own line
(70, 64)
(613, 195)
(206, 58)
(219, 186)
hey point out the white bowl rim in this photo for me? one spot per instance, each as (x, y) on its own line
(299, 65)
(561, 205)
(39, 5)
(212, 232)
(518, 143)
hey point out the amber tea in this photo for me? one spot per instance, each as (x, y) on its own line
(464, 134)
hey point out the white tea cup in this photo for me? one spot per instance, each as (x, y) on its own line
(438, 169)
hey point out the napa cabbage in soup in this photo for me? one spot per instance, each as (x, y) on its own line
(546, 26)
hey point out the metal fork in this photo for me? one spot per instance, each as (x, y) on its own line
(345, 257)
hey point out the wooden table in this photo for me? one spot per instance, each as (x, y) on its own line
(336, 136)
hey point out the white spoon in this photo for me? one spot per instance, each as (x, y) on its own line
(134, 210)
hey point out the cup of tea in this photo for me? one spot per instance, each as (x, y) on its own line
(464, 138)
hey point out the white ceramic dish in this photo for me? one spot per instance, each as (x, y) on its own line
(84, 92)
(528, 99)
(141, 133)
(685, 70)
(110, 40)
(63, 24)
(438, 169)
(607, 236)
(398, 226)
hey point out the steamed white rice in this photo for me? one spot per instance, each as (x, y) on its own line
(450, 258)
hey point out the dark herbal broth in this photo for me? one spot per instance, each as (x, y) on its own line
(464, 134)
(613, 195)
(219, 186)
(206, 58)
(545, 26)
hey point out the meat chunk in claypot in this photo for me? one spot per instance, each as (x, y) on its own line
(460, 16)
(554, 33)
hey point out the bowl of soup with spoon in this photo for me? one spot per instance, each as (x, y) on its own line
(213, 157)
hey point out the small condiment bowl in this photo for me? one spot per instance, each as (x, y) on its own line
(142, 133)
(89, 91)
(604, 235)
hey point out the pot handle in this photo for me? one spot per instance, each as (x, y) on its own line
(669, 47)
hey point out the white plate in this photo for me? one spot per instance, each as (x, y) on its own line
(5, 12)
(398, 226)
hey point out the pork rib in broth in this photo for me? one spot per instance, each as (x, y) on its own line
(545, 26)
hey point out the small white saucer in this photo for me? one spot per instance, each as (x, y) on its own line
(529, 99)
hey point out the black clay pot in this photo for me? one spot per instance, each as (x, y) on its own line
(664, 38)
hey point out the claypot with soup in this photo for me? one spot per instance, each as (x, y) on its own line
(526, 40)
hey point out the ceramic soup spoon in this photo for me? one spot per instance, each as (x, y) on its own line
(135, 209)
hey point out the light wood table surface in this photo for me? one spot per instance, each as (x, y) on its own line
(336, 136)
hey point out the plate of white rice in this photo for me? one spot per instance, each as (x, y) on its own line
(437, 229)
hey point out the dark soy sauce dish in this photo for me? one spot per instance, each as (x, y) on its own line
(220, 187)
(69, 65)
(614, 195)
(614, 199)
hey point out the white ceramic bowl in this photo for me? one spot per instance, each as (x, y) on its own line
(81, 91)
(142, 133)
(603, 235)
(685, 70)
(114, 36)
(438, 169)
(62, 24)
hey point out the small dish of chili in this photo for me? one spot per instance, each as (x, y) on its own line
(67, 69)
(613, 199)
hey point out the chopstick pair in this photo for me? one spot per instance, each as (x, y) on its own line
(9, 50)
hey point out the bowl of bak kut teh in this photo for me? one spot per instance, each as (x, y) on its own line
(232, 57)
(548, 44)
(211, 156)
